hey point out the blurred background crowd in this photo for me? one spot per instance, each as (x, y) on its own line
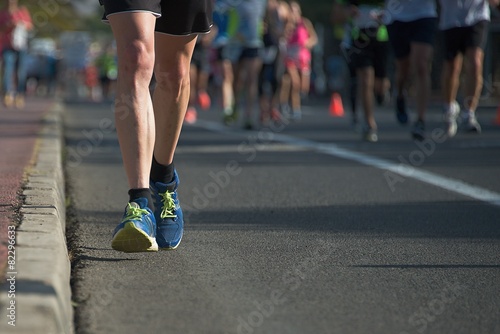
(61, 48)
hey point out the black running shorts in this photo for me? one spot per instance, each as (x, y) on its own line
(402, 34)
(175, 17)
(458, 40)
(369, 52)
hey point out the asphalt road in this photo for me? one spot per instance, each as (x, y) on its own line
(299, 228)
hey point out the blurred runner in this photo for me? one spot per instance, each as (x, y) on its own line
(225, 23)
(15, 23)
(465, 29)
(247, 61)
(271, 72)
(199, 75)
(301, 39)
(412, 28)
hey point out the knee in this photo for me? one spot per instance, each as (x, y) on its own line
(173, 78)
(228, 76)
(476, 66)
(137, 61)
(455, 68)
(422, 68)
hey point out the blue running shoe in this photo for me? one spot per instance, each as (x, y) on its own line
(137, 231)
(168, 213)
(401, 112)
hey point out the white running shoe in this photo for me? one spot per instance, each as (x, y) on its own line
(450, 118)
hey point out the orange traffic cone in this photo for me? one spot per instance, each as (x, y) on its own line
(496, 121)
(336, 107)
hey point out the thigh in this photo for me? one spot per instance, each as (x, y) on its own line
(251, 61)
(173, 55)
(421, 54)
(363, 57)
(8, 57)
(21, 57)
(365, 77)
(305, 61)
(133, 32)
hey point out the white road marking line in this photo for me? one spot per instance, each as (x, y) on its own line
(415, 173)
(234, 148)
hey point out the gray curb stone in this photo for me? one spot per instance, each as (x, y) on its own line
(42, 265)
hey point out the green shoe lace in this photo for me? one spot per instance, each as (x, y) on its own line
(134, 212)
(168, 205)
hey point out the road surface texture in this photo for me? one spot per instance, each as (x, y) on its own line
(295, 228)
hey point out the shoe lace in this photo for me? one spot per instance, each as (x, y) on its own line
(168, 205)
(135, 212)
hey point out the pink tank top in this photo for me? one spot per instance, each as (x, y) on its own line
(299, 36)
(297, 53)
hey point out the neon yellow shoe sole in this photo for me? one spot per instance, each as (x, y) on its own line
(130, 239)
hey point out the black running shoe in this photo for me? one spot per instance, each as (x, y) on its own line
(401, 113)
(418, 130)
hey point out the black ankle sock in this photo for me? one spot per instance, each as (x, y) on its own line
(162, 173)
(141, 192)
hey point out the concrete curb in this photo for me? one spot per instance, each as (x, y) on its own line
(42, 267)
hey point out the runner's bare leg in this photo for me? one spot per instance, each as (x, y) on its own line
(134, 34)
(171, 95)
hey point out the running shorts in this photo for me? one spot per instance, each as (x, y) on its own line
(175, 17)
(370, 52)
(457, 40)
(402, 34)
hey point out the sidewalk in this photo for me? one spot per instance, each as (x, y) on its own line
(35, 295)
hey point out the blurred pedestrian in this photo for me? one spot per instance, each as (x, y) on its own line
(225, 21)
(247, 65)
(465, 30)
(301, 39)
(199, 76)
(108, 72)
(343, 26)
(91, 75)
(15, 23)
(152, 36)
(368, 52)
(269, 79)
(412, 28)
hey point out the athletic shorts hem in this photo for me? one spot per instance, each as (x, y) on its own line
(201, 32)
(105, 19)
(177, 18)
